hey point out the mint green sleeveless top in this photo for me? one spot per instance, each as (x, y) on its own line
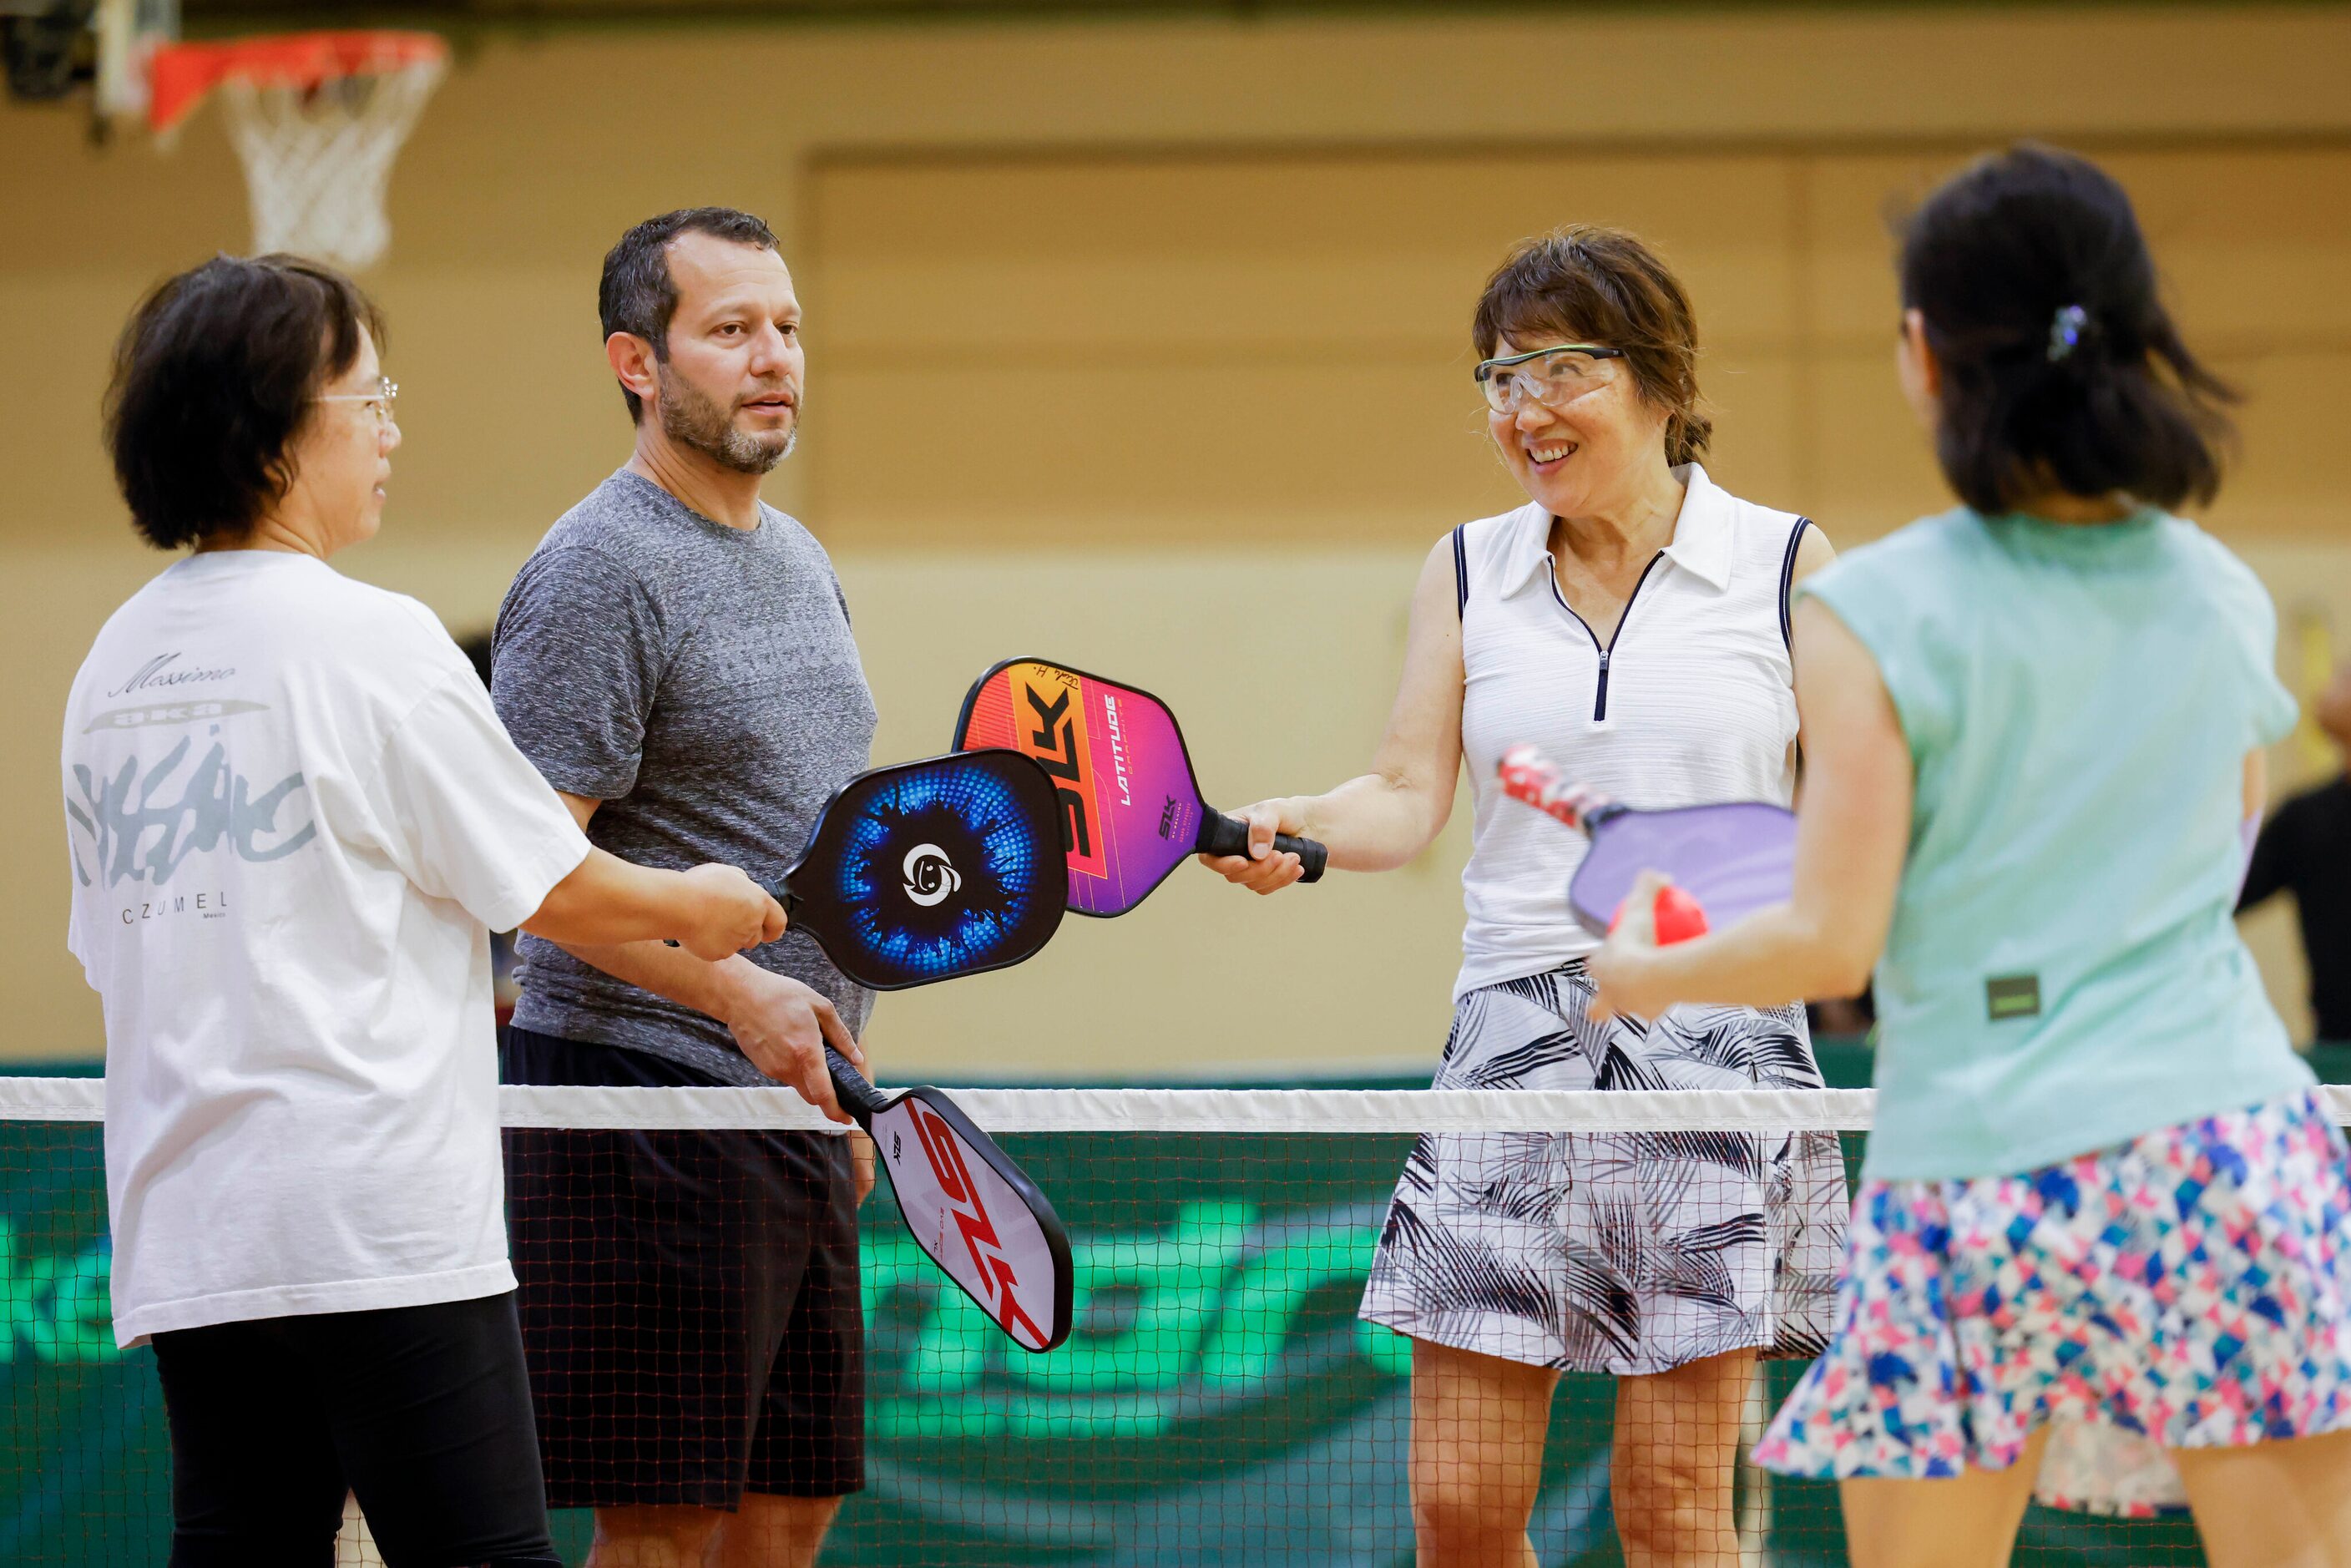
(2063, 973)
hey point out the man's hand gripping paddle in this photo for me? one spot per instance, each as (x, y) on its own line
(1724, 861)
(1131, 810)
(927, 871)
(972, 1211)
(931, 870)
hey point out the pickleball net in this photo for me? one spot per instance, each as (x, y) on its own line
(1218, 1402)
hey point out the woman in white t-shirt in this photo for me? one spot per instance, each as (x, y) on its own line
(1630, 620)
(293, 821)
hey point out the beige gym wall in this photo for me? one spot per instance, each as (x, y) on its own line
(1139, 345)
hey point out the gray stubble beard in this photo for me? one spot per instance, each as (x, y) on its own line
(693, 420)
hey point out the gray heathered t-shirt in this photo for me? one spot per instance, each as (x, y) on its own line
(702, 681)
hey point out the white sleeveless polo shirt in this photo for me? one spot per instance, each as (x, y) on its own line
(1690, 702)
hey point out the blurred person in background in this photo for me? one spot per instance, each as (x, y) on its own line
(2305, 850)
(1849, 1017)
(292, 817)
(676, 658)
(1631, 620)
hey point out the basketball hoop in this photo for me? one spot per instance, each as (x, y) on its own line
(317, 118)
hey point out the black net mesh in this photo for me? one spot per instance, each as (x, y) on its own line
(1219, 1401)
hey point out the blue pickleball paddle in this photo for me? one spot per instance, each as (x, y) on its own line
(931, 870)
(926, 871)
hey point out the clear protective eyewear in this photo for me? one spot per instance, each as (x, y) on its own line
(379, 401)
(1552, 377)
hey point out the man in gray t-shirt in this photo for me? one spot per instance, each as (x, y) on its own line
(699, 684)
(676, 659)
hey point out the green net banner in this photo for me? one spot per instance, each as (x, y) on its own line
(85, 1472)
(1219, 1402)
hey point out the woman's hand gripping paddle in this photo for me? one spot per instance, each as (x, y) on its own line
(1131, 810)
(972, 1211)
(1725, 862)
(931, 870)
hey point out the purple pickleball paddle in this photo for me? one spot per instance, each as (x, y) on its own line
(1734, 858)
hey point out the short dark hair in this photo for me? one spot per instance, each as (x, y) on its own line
(2061, 368)
(1604, 286)
(212, 377)
(637, 295)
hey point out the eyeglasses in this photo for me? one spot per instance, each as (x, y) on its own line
(1552, 377)
(379, 401)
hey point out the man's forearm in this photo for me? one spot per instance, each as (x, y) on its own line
(780, 1024)
(715, 991)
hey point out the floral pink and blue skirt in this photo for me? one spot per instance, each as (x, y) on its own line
(2185, 1289)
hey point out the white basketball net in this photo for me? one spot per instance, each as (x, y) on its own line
(318, 160)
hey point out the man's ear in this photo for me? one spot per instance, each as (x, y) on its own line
(632, 358)
(1930, 368)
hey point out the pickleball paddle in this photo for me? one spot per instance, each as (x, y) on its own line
(971, 1210)
(931, 870)
(1733, 859)
(1130, 807)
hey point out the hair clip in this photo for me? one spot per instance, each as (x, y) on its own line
(2065, 331)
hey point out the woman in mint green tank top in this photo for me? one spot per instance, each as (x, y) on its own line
(2103, 1239)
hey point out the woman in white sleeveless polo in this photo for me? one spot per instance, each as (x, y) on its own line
(1630, 620)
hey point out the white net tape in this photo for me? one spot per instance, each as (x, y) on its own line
(1159, 1110)
(318, 161)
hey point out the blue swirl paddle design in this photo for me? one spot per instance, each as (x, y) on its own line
(927, 871)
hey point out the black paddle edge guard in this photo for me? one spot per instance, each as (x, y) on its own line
(1208, 814)
(1595, 924)
(971, 695)
(862, 1101)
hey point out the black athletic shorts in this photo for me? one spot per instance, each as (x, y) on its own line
(424, 1412)
(689, 1300)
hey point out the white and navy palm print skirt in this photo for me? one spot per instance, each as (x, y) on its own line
(1618, 1252)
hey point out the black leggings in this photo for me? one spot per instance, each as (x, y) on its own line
(424, 1412)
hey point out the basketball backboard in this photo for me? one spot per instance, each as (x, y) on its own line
(128, 34)
(91, 51)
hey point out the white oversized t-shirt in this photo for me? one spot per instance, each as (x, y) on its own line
(293, 820)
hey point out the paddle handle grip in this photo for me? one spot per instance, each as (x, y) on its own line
(1223, 835)
(858, 1096)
